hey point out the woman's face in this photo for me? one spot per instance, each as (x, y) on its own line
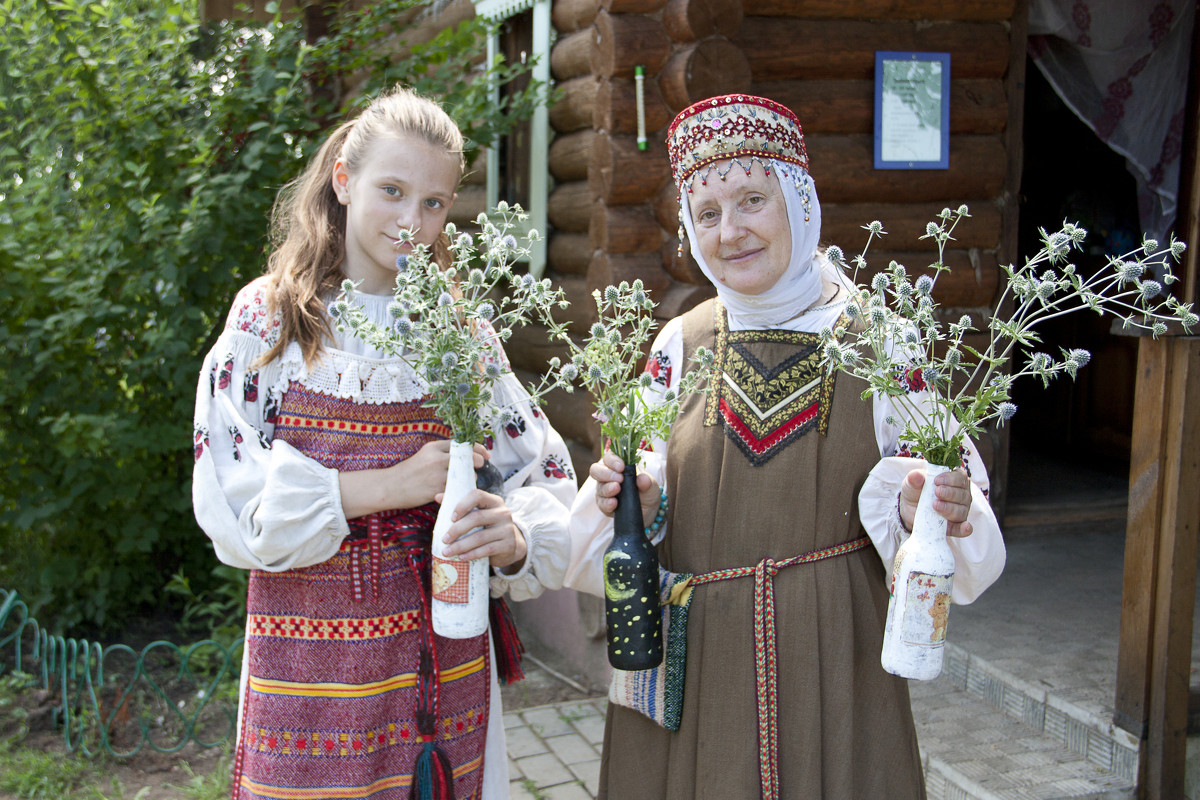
(742, 226)
(402, 182)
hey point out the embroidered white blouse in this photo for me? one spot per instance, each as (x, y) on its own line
(979, 558)
(267, 506)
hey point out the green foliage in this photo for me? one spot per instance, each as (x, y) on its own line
(139, 157)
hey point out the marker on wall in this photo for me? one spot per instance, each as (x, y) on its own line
(639, 80)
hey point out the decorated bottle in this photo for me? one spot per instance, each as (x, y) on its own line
(914, 638)
(459, 588)
(631, 596)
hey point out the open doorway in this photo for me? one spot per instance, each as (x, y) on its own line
(1070, 442)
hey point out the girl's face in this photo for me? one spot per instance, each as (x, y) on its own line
(742, 227)
(403, 182)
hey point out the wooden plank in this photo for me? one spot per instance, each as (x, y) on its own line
(841, 224)
(977, 105)
(844, 170)
(846, 48)
(569, 253)
(1131, 703)
(569, 154)
(1165, 754)
(974, 11)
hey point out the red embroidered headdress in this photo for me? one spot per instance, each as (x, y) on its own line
(730, 126)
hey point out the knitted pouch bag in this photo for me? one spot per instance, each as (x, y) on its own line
(658, 693)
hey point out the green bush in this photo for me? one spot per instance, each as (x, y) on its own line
(140, 152)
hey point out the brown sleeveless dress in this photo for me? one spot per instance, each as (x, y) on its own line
(744, 486)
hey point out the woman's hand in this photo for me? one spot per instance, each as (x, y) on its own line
(952, 491)
(498, 538)
(413, 482)
(609, 473)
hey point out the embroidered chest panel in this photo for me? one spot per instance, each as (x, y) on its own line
(763, 406)
(345, 435)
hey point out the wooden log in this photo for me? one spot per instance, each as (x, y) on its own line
(979, 11)
(705, 69)
(977, 105)
(841, 224)
(581, 312)
(569, 155)
(608, 269)
(972, 281)
(569, 207)
(571, 415)
(681, 266)
(624, 229)
(680, 298)
(624, 41)
(622, 175)
(569, 16)
(666, 208)
(530, 349)
(572, 55)
(569, 253)
(469, 204)
(693, 20)
(574, 109)
(632, 6)
(616, 108)
(844, 170)
(977, 49)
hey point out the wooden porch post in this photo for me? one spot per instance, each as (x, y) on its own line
(1158, 599)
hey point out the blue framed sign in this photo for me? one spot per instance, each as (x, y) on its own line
(912, 110)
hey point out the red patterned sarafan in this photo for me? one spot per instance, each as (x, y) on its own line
(733, 125)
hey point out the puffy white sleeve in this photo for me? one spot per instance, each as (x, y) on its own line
(592, 531)
(978, 558)
(263, 504)
(539, 484)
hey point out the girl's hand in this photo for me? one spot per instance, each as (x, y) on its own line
(421, 477)
(609, 473)
(953, 492)
(498, 538)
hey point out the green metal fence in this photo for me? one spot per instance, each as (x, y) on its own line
(119, 700)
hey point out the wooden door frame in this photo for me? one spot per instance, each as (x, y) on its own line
(1163, 529)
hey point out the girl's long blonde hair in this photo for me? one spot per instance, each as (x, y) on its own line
(308, 224)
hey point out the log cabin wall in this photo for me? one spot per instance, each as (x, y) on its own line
(818, 58)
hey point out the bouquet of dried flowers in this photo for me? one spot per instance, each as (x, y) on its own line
(897, 343)
(629, 408)
(448, 325)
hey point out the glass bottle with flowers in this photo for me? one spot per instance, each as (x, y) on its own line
(897, 341)
(449, 326)
(631, 411)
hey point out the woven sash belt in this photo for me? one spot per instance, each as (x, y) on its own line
(766, 670)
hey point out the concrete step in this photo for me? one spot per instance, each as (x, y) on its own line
(988, 735)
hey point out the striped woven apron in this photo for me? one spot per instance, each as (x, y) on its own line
(349, 690)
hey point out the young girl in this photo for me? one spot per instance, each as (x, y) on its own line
(319, 469)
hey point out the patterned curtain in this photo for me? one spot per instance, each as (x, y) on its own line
(1122, 67)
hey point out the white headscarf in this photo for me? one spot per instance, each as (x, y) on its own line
(800, 285)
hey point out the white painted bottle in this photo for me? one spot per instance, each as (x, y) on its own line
(459, 588)
(922, 576)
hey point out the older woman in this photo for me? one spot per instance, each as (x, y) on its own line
(777, 460)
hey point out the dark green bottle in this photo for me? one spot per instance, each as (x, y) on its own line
(631, 595)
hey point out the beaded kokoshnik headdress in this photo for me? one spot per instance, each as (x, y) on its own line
(712, 137)
(741, 128)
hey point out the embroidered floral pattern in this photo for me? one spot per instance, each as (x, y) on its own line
(911, 379)
(199, 440)
(235, 436)
(553, 467)
(659, 367)
(515, 426)
(250, 315)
